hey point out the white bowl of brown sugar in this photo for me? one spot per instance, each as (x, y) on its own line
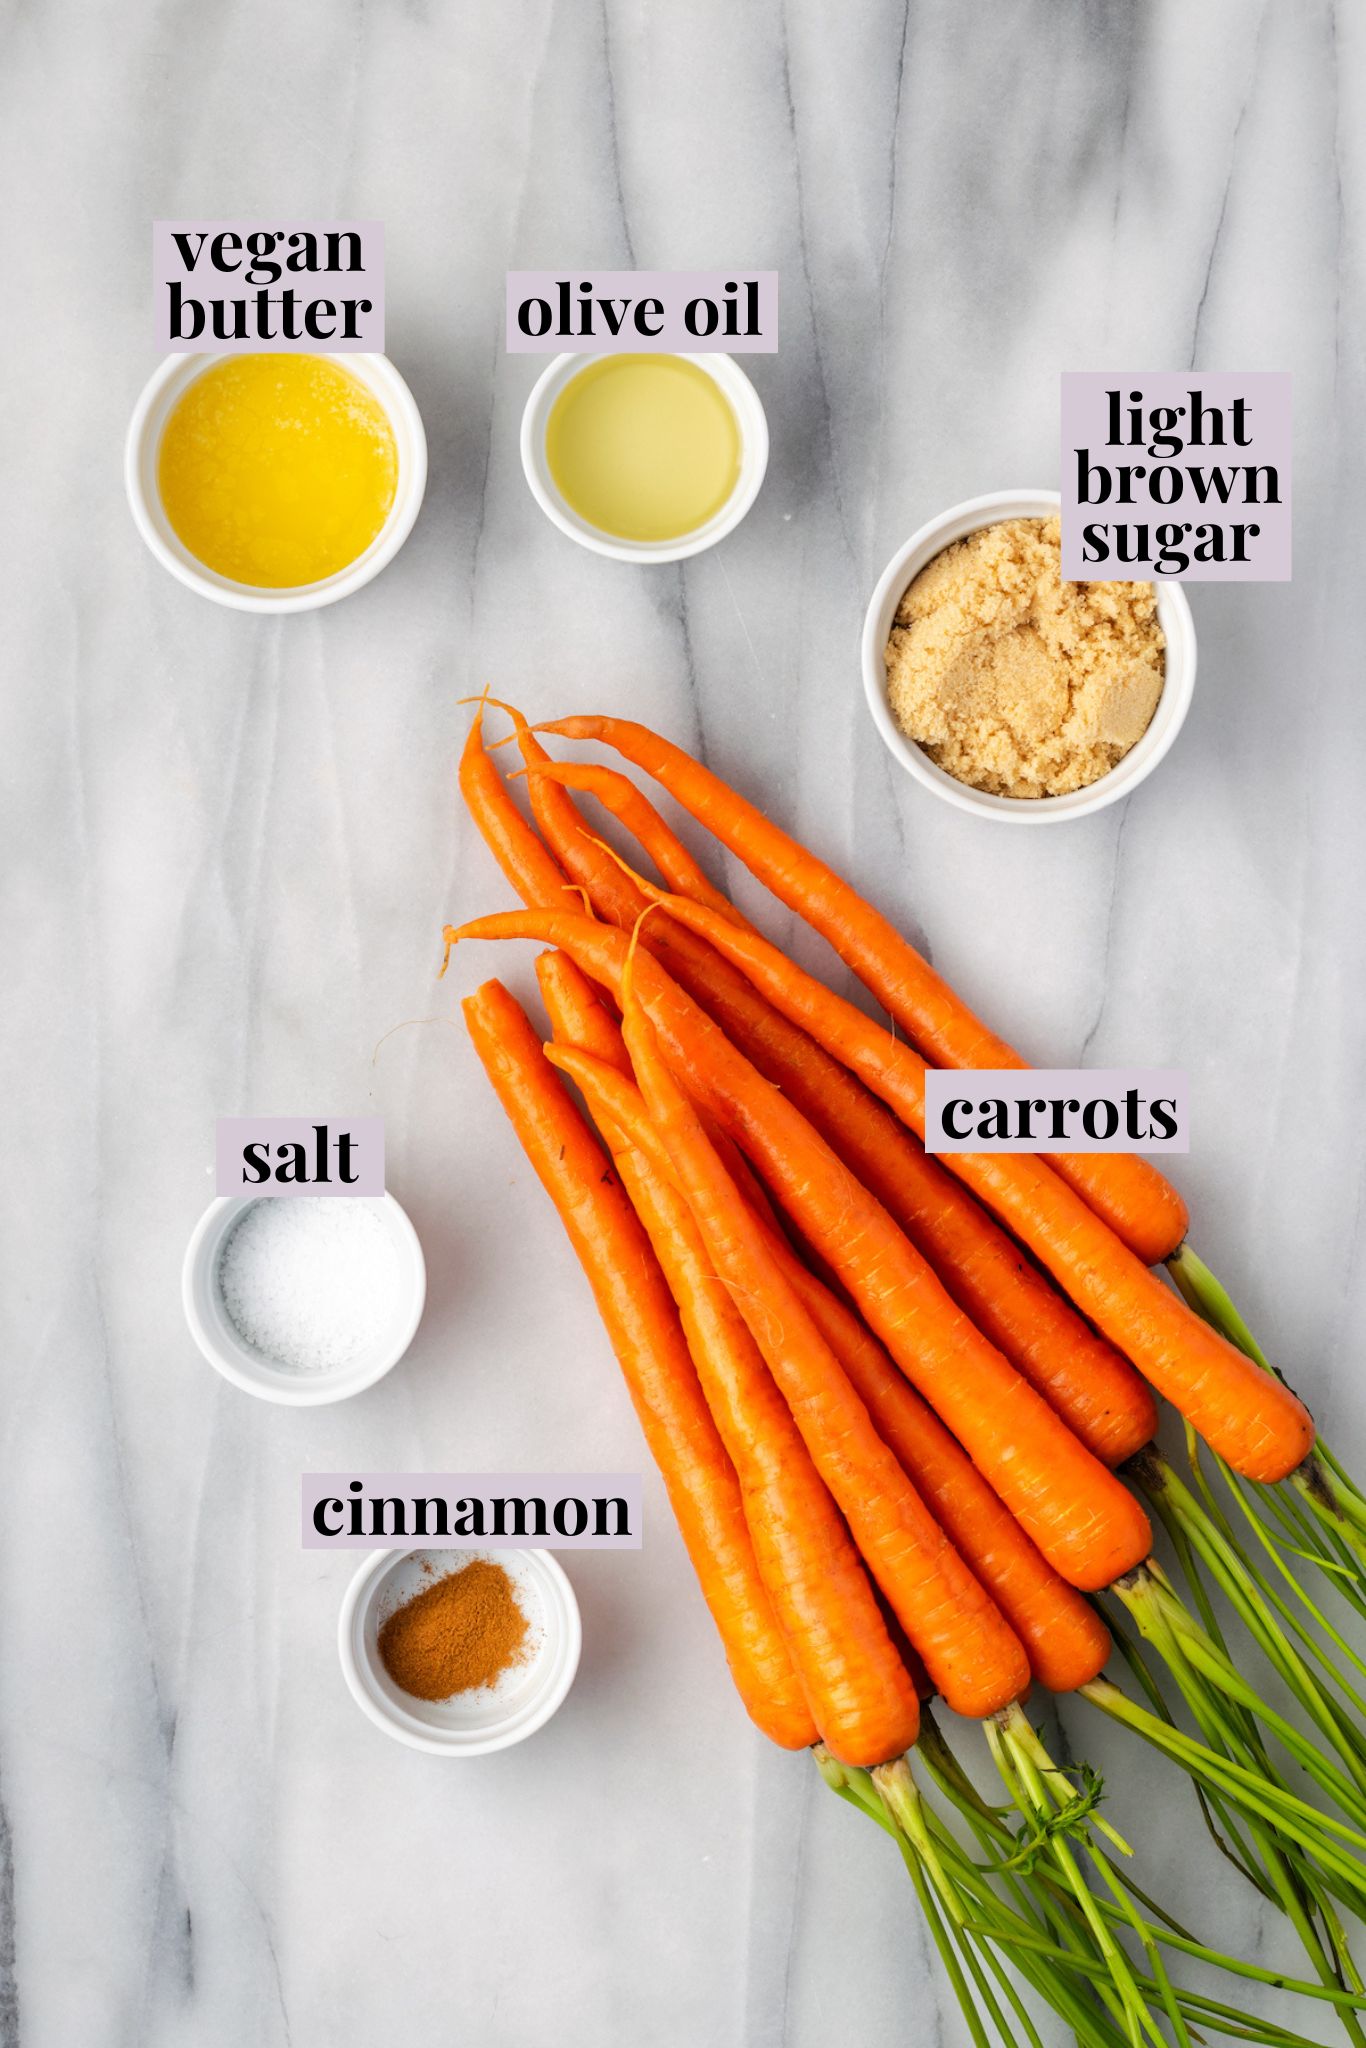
(1008, 692)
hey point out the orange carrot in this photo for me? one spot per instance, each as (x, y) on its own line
(1087, 1526)
(576, 1011)
(1078, 1373)
(862, 1698)
(533, 872)
(1248, 1416)
(1066, 1641)
(971, 1653)
(969, 1649)
(643, 1327)
(619, 795)
(1133, 1197)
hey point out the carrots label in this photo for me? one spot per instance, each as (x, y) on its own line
(1056, 1109)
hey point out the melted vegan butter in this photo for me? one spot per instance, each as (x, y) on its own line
(644, 447)
(277, 470)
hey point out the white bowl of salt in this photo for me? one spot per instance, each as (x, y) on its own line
(304, 1299)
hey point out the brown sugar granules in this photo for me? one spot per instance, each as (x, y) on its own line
(464, 1631)
(1015, 681)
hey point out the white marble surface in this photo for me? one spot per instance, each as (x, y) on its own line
(230, 846)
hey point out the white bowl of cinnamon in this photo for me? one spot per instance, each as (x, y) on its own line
(459, 1652)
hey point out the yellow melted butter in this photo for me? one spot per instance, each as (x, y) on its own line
(644, 447)
(277, 470)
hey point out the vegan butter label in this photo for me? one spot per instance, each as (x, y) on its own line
(1056, 1109)
(297, 1155)
(1183, 474)
(231, 285)
(449, 1510)
(601, 312)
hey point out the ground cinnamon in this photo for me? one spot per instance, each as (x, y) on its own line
(464, 1631)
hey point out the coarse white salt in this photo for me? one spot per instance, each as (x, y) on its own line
(311, 1280)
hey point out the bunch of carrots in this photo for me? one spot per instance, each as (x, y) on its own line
(904, 1407)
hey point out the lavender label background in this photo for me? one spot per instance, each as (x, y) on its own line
(206, 283)
(1085, 411)
(673, 288)
(977, 1084)
(234, 1133)
(451, 1487)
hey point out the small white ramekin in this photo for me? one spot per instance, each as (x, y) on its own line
(1174, 617)
(473, 1723)
(167, 384)
(229, 1352)
(749, 416)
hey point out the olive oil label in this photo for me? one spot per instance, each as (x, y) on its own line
(1178, 474)
(606, 312)
(1056, 1109)
(226, 285)
(299, 1155)
(452, 1510)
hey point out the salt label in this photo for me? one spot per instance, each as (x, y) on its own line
(294, 1155)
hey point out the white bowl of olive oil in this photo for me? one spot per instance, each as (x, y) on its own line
(645, 457)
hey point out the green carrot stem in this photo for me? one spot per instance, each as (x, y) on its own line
(1211, 1299)
(1007, 1734)
(897, 1790)
(1046, 1775)
(1348, 1492)
(1221, 1819)
(1331, 1509)
(895, 1787)
(924, 1892)
(1338, 1507)
(1272, 1803)
(1311, 1760)
(1199, 2008)
(1238, 1494)
(982, 1964)
(1226, 2017)
(1258, 1605)
(1014, 1931)
(1175, 1634)
(1003, 1928)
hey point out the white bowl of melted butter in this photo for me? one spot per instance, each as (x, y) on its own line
(275, 482)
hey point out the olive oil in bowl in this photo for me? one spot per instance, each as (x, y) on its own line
(645, 448)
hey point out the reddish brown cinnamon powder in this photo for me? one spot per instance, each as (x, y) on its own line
(464, 1631)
